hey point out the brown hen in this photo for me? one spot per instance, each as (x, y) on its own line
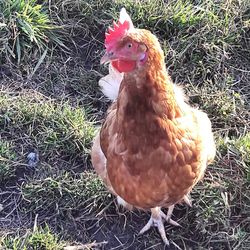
(153, 147)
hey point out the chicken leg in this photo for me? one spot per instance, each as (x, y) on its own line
(156, 220)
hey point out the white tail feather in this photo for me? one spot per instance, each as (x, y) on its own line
(110, 83)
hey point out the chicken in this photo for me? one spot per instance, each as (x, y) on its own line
(153, 147)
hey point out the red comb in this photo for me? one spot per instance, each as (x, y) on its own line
(116, 33)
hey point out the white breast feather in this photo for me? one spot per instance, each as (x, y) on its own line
(110, 83)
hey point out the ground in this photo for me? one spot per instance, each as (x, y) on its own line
(51, 108)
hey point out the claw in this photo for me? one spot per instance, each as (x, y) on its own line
(147, 226)
(159, 224)
(156, 220)
(169, 220)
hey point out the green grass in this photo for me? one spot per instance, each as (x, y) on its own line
(239, 148)
(39, 238)
(243, 145)
(50, 127)
(25, 29)
(50, 103)
(7, 157)
(64, 194)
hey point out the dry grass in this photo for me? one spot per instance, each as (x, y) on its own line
(50, 104)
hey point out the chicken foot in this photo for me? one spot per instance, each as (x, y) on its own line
(156, 220)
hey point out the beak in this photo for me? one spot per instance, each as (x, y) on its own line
(108, 56)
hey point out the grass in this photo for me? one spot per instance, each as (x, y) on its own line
(64, 193)
(39, 238)
(25, 29)
(7, 155)
(51, 128)
(50, 105)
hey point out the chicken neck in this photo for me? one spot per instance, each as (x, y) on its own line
(147, 93)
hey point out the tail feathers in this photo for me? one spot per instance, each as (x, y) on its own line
(110, 83)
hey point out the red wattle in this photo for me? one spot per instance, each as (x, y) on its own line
(124, 66)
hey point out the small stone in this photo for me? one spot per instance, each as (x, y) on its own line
(33, 159)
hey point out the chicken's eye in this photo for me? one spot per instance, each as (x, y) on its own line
(129, 45)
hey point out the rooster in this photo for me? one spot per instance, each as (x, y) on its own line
(153, 147)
